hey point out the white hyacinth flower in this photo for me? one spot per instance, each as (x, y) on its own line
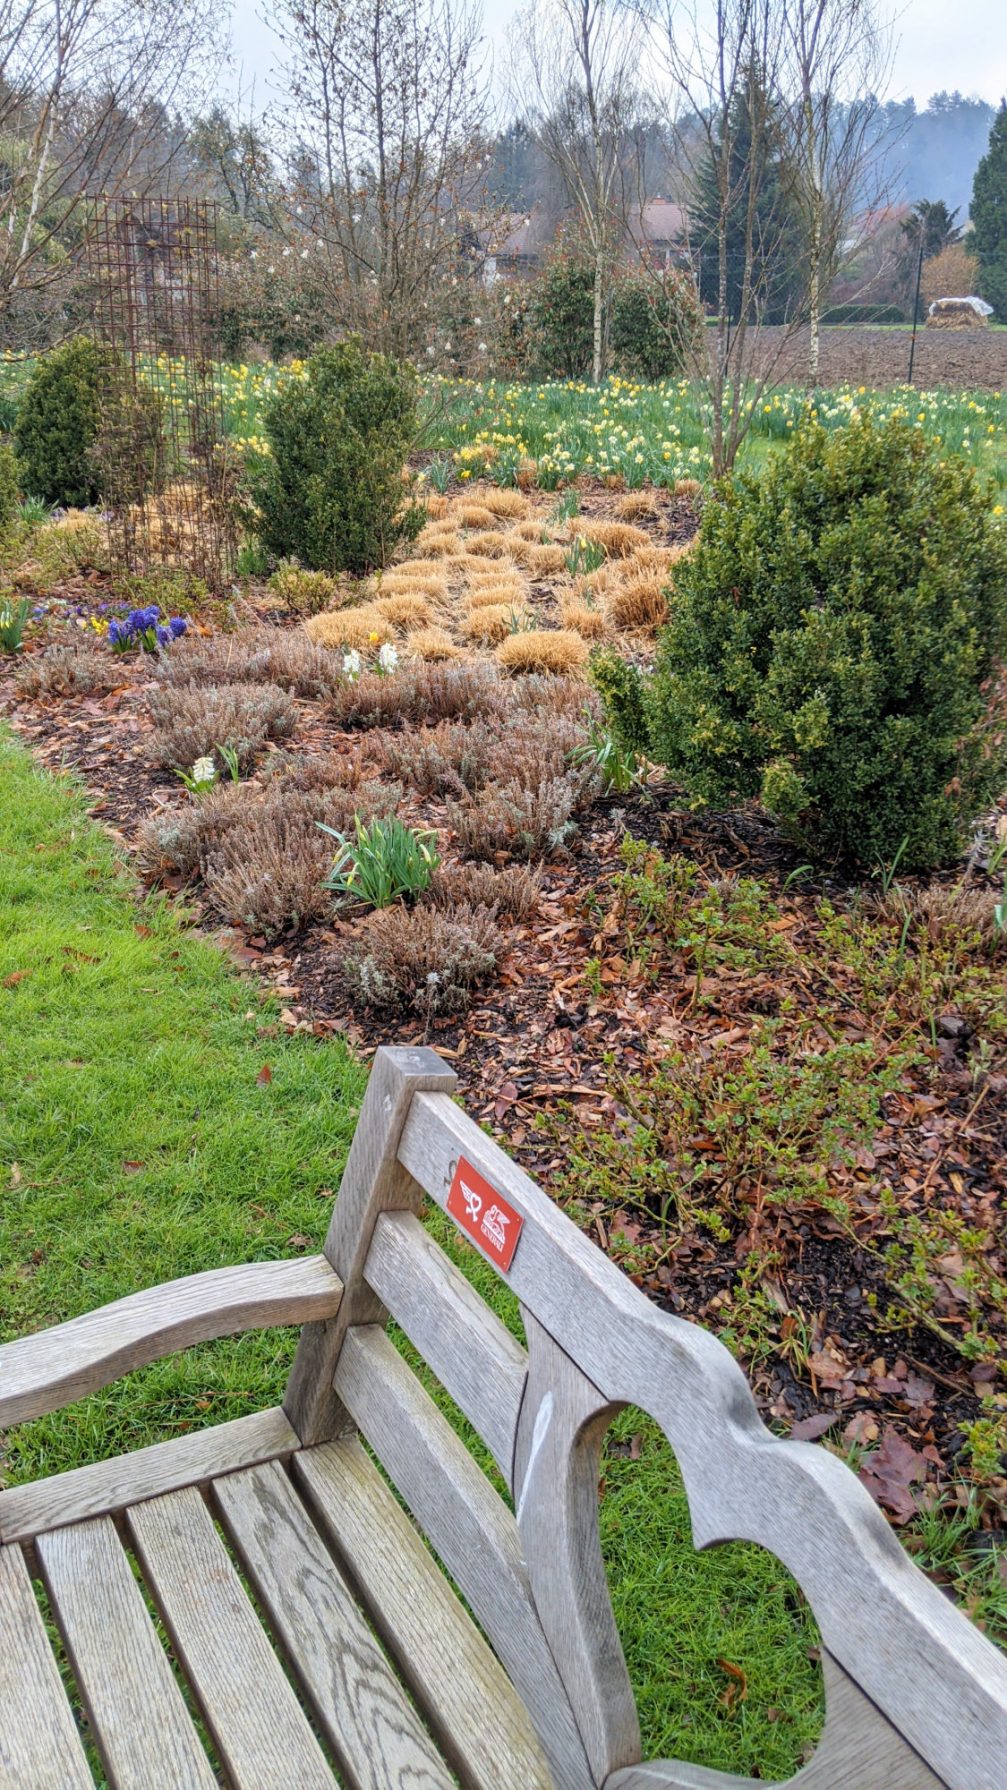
(388, 658)
(352, 663)
(204, 771)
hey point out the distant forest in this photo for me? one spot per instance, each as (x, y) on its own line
(931, 154)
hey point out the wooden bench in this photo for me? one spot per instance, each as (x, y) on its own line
(314, 1639)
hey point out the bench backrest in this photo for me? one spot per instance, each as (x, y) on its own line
(916, 1697)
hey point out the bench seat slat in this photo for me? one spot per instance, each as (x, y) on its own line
(470, 1703)
(260, 1731)
(473, 1354)
(104, 1487)
(141, 1724)
(377, 1737)
(470, 1527)
(39, 1744)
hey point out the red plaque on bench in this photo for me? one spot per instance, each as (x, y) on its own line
(484, 1215)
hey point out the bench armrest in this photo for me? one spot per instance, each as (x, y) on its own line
(55, 1367)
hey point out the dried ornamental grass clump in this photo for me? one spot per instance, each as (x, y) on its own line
(503, 501)
(409, 582)
(357, 630)
(437, 543)
(618, 540)
(636, 506)
(433, 645)
(514, 891)
(487, 591)
(553, 650)
(426, 959)
(194, 721)
(583, 618)
(67, 671)
(472, 515)
(639, 603)
(405, 609)
(542, 562)
(489, 545)
(489, 623)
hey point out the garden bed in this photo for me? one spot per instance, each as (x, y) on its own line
(845, 1235)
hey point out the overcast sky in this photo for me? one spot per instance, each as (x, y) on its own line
(942, 44)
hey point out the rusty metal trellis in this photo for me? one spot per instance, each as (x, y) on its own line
(166, 476)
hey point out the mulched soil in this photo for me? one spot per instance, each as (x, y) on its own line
(531, 1059)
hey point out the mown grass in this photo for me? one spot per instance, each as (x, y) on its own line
(139, 1140)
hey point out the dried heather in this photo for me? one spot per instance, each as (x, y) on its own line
(513, 821)
(417, 693)
(426, 959)
(69, 671)
(554, 650)
(513, 891)
(283, 656)
(444, 760)
(178, 840)
(269, 869)
(198, 720)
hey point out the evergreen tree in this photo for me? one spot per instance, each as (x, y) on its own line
(931, 223)
(754, 162)
(989, 217)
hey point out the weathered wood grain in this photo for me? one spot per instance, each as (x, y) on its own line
(259, 1729)
(105, 1487)
(858, 1750)
(470, 1528)
(39, 1746)
(378, 1739)
(556, 1473)
(930, 1671)
(372, 1182)
(473, 1354)
(54, 1367)
(137, 1712)
(470, 1704)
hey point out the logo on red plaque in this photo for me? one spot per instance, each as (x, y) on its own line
(484, 1215)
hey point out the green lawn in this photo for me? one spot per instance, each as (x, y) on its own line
(137, 1142)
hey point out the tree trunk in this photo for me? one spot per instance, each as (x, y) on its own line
(815, 297)
(598, 358)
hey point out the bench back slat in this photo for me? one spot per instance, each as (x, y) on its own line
(469, 1527)
(473, 1354)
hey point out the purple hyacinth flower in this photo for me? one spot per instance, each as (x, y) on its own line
(162, 635)
(177, 625)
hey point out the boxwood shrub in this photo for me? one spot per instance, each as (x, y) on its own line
(833, 648)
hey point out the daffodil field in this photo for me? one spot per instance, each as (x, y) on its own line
(622, 430)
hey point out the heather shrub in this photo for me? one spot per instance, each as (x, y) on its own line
(516, 820)
(332, 491)
(280, 656)
(198, 720)
(67, 671)
(422, 691)
(513, 891)
(180, 839)
(268, 871)
(426, 959)
(447, 759)
(832, 646)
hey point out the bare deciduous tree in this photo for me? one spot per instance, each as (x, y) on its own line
(387, 103)
(86, 91)
(576, 77)
(835, 59)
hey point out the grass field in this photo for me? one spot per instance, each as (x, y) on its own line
(139, 1140)
(633, 432)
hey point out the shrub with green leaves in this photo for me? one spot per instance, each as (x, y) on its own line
(653, 323)
(332, 492)
(10, 482)
(832, 647)
(82, 432)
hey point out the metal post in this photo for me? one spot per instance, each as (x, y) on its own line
(916, 308)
